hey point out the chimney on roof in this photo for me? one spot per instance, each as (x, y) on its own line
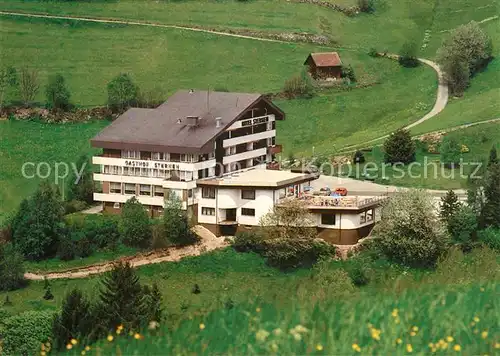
(179, 121)
(218, 122)
(192, 120)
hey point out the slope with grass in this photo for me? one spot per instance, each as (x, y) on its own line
(444, 320)
(36, 142)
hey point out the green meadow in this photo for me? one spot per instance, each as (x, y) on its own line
(37, 142)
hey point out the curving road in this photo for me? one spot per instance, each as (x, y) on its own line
(441, 101)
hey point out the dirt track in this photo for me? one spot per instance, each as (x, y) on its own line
(208, 242)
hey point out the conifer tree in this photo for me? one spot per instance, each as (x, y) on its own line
(176, 223)
(493, 156)
(449, 206)
(73, 321)
(121, 299)
(153, 303)
(399, 148)
(490, 213)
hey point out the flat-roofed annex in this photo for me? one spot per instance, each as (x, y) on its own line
(167, 129)
(257, 177)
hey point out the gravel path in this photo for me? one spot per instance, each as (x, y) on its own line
(137, 23)
(208, 242)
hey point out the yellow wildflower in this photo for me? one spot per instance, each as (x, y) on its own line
(431, 345)
(119, 327)
(74, 341)
(137, 336)
(87, 348)
(274, 347)
(83, 352)
(261, 335)
(457, 347)
(202, 326)
(397, 321)
(484, 334)
(375, 333)
(297, 336)
(415, 328)
(413, 333)
(69, 346)
(300, 329)
(319, 347)
(277, 332)
(395, 313)
(399, 341)
(444, 345)
(153, 325)
(257, 310)
(409, 348)
(476, 319)
(43, 353)
(449, 338)
(118, 331)
(497, 345)
(475, 331)
(481, 289)
(110, 338)
(356, 347)
(472, 323)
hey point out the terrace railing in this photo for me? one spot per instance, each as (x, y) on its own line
(341, 202)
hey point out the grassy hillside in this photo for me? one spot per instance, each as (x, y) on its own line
(30, 141)
(448, 320)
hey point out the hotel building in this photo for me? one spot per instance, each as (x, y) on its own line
(216, 152)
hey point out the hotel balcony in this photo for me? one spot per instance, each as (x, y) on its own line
(342, 203)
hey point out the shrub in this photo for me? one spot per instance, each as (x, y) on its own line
(451, 152)
(247, 241)
(408, 55)
(287, 253)
(367, 6)
(373, 52)
(490, 215)
(28, 85)
(57, 93)
(66, 249)
(410, 232)
(399, 148)
(23, 333)
(74, 206)
(102, 230)
(348, 73)
(299, 86)
(11, 268)
(490, 237)
(359, 157)
(135, 225)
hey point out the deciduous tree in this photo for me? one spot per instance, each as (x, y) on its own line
(490, 213)
(57, 93)
(135, 224)
(38, 224)
(28, 85)
(288, 220)
(122, 92)
(175, 222)
(11, 268)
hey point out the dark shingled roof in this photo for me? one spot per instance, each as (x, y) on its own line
(326, 59)
(158, 129)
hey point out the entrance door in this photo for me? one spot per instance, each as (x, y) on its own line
(230, 214)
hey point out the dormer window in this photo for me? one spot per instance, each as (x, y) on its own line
(192, 120)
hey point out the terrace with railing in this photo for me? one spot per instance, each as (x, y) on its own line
(337, 202)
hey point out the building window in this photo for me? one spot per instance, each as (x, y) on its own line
(366, 216)
(208, 211)
(145, 189)
(115, 188)
(247, 212)
(144, 172)
(327, 219)
(190, 193)
(116, 205)
(208, 193)
(156, 156)
(248, 194)
(131, 154)
(129, 189)
(158, 191)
